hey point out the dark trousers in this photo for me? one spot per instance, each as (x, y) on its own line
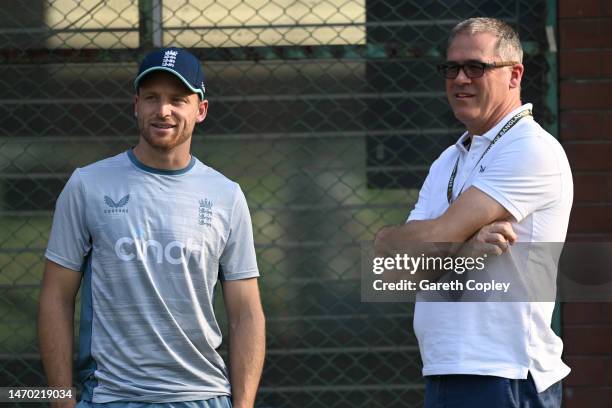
(481, 391)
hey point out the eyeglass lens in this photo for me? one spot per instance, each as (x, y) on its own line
(472, 70)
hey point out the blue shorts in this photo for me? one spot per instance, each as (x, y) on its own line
(481, 391)
(219, 402)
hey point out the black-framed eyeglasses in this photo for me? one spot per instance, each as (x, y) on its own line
(472, 69)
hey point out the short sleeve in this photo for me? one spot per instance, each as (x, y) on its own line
(70, 240)
(524, 176)
(238, 259)
(423, 205)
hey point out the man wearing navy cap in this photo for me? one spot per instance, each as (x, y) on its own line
(146, 235)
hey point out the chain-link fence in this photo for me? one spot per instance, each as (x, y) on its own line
(327, 112)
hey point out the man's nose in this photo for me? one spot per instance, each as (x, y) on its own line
(164, 109)
(462, 78)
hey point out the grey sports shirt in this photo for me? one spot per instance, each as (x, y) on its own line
(152, 244)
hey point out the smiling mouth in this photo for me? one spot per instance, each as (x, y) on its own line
(162, 125)
(462, 95)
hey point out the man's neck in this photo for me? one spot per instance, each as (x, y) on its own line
(493, 119)
(175, 159)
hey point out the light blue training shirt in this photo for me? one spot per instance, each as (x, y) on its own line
(152, 244)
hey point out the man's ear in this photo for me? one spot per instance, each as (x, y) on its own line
(135, 106)
(202, 110)
(516, 76)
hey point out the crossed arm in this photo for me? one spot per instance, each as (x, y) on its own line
(247, 341)
(474, 217)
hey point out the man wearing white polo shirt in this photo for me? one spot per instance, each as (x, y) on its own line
(506, 180)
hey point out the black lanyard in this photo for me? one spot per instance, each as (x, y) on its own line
(504, 130)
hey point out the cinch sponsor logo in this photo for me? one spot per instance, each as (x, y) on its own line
(175, 252)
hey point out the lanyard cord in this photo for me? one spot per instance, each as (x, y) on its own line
(513, 121)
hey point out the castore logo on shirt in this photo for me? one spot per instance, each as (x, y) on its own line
(116, 207)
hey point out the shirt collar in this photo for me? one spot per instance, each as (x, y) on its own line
(163, 172)
(462, 142)
(491, 133)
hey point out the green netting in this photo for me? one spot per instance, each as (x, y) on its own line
(328, 113)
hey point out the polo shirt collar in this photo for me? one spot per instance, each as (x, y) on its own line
(463, 141)
(491, 133)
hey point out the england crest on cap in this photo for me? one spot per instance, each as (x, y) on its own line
(177, 61)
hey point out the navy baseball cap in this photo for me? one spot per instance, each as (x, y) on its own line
(177, 61)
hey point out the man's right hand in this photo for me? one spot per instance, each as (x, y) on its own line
(492, 239)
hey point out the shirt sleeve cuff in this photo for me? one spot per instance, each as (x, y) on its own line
(252, 273)
(416, 216)
(500, 198)
(63, 261)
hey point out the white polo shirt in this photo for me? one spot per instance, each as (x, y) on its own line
(527, 172)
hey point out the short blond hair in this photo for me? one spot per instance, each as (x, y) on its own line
(508, 45)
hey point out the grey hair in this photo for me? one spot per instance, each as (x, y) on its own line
(508, 44)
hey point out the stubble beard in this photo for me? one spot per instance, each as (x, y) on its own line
(163, 145)
(468, 115)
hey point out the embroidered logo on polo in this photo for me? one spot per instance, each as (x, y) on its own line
(205, 212)
(482, 169)
(169, 58)
(116, 207)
